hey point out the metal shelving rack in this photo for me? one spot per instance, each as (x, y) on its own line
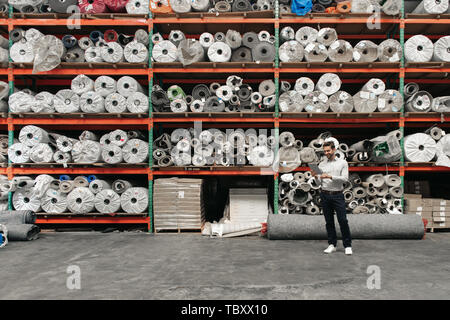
(274, 120)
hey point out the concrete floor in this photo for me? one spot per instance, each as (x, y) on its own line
(188, 266)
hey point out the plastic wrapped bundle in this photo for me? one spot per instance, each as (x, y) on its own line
(138, 6)
(86, 151)
(24, 200)
(135, 151)
(43, 103)
(65, 144)
(112, 154)
(62, 157)
(126, 86)
(92, 102)
(306, 35)
(441, 104)
(340, 102)
(375, 86)
(164, 51)
(291, 101)
(442, 49)
(81, 84)
(365, 51)
(66, 101)
(115, 103)
(20, 102)
(291, 51)
(340, 51)
(41, 153)
(54, 201)
(137, 102)
(107, 201)
(365, 102)
(315, 102)
(47, 53)
(134, 200)
(135, 52)
(99, 185)
(390, 101)
(389, 50)
(419, 147)
(19, 153)
(105, 85)
(316, 52)
(80, 200)
(418, 48)
(326, 36)
(32, 135)
(421, 101)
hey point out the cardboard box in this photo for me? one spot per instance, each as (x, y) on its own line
(408, 196)
(419, 208)
(439, 225)
(441, 219)
(418, 187)
(440, 202)
(441, 209)
(441, 214)
(427, 202)
(423, 214)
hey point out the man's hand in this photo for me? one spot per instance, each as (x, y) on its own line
(325, 176)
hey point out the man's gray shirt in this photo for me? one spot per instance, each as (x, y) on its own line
(338, 170)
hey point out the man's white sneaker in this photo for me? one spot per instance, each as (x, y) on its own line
(330, 249)
(348, 251)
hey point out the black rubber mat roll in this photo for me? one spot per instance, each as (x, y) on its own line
(45, 8)
(317, 7)
(69, 41)
(242, 54)
(61, 6)
(325, 3)
(244, 93)
(22, 232)
(96, 35)
(17, 217)
(124, 40)
(241, 6)
(16, 34)
(201, 91)
(367, 226)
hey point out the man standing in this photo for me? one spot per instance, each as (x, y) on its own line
(334, 175)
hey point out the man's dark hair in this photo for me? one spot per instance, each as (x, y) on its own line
(329, 144)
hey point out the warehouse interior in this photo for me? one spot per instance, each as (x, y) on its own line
(195, 121)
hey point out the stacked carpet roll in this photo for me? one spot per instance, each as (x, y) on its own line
(312, 45)
(326, 95)
(184, 6)
(80, 195)
(4, 52)
(105, 94)
(375, 194)
(39, 146)
(178, 204)
(431, 145)
(3, 148)
(422, 101)
(4, 94)
(19, 225)
(233, 96)
(48, 51)
(220, 47)
(390, 7)
(185, 147)
(420, 48)
(4, 190)
(84, 6)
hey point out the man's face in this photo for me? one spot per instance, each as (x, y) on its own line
(329, 152)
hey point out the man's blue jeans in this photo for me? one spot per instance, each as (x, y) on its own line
(331, 203)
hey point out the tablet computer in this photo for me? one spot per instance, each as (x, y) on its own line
(314, 167)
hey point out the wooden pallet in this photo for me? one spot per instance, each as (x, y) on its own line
(85, 65)
(224, 15)
(78, 115)
(216, 65)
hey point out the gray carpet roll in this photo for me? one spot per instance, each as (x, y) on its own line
(17, 217)
(22, 232)
(304, 227)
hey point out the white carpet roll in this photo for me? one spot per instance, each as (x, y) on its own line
(19, 153)
(365, 102)
(127, 85)
(328, 83)
(99, 185)
(340, 51)
(419, 147)
(93, 54)
(87, 151)
(54, 201)
(81, 84)
(164, 51)
(66, 101)
(62, 157)
(418, 48)
(120, 186)
(115, 103)
(24, 200)
(105, 85)
(112, 154)
(306, 35)
(341, 101)
(22, 51)
(118, 137)
(41, 153)
(21, 102)
(137, 102)
(390, 50)
(107, 201)
(65, 144)
(390, 101)
(374, 85)
(31, 135)
(135, 151)
(135, 52)
(304, 86)
(442, 49)
(134, 200)
(112, 52)
(43, 103)
(92, 102)
(365, 51)
(80, 200)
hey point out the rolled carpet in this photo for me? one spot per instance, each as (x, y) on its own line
(370, 226)
(22, 232)
(17, 217)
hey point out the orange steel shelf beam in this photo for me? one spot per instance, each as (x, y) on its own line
(428, 119)
(359, 169)
(427, 21)
(339, 120)
(83, 22)
(214, 20)
(284, 125)
(339, 70)
(86, 71)
(334, 20)
(92, 121)
(4, 171)
(213, 173)
(213, 70)
(428, 169)
(234, 120)
(427, 70)
(91, 220)
(115, 171)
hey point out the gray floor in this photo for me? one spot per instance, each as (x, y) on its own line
(188, 266)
